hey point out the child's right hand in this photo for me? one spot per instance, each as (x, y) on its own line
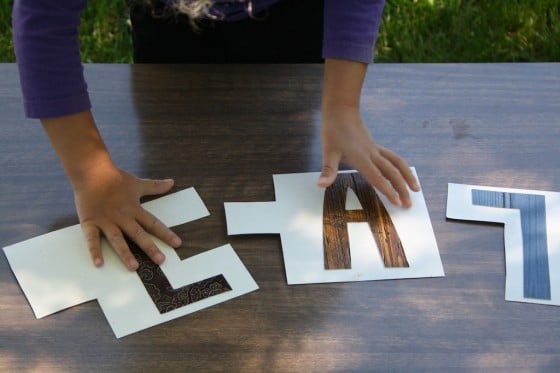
(107, 199)
(109, 205)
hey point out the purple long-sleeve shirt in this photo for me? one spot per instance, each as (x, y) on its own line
(48, 54)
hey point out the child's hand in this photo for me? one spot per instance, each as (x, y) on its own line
(346, 138)
(107, 198)
(109, 205)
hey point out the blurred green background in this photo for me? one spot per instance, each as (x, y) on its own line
(412, 31)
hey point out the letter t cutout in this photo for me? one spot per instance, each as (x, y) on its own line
(532, 246)
(536, 282)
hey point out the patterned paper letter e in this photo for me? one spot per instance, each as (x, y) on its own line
(55, 272)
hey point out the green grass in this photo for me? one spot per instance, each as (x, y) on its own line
(412, 31)
(470, 31)
(104, 32)
(6, 45)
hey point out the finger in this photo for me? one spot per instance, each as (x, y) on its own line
(403, 167)
(136, 233)
(396, 179)
(93, 241)
(154, 226)
(329, 169)
(374, 176)
(154, 187)
(118, 243)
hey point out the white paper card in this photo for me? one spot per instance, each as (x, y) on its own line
(55, 271)
(297, 215)
(528, 278)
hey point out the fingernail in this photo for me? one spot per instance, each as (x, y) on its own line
(132, 265)
(397, 201)
(159, 258)
(98, 262)
(175, 241)
(323, 181)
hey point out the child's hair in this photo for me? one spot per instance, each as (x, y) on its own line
(195, 10)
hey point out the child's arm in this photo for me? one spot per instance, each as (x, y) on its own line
(53, 86)
(350, 31)
(345, 137)
(107, 199)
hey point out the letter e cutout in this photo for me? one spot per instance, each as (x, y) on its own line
(55, 272)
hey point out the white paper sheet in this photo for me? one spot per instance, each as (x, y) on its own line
(460, 206)
(55, 271)
(297, 215)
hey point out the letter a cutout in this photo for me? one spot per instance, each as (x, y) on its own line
(309, 218)
(336, 218)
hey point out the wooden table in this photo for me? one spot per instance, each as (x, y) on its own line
(225, 130)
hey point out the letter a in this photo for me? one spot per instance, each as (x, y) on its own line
(336, 243)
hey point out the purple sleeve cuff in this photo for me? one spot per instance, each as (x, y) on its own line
(48, 57)
(56, 107)
(350, 29)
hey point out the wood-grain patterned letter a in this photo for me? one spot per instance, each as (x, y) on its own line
(336, 218)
